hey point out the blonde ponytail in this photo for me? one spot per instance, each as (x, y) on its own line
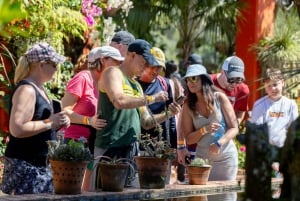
(22, 69)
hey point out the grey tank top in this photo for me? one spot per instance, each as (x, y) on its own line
(203, 144)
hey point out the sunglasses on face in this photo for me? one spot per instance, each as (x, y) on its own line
(235, 80)
(52, 64)
(193, 79)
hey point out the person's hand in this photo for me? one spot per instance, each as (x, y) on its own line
(59, 120)
(160, 96)
(97, 123)
(214, 149)
(212, 127)
(174, 108)
(181, 155)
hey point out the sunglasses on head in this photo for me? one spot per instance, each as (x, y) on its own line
(235, 80)
(193, 79)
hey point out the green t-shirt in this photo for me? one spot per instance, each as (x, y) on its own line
(123, 126)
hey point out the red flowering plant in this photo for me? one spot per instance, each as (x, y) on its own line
(241, 154)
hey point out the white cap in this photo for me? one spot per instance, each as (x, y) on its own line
(104, 51)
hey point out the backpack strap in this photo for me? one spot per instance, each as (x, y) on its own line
(163, 82)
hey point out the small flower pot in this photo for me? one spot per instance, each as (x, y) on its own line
(198, 175)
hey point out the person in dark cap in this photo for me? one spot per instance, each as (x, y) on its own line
(121, 40)
(120, 96)
(193, 59)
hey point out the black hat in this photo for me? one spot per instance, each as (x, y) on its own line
(143, 48)
(194, 59)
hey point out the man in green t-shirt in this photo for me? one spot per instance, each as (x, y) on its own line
(122, 104)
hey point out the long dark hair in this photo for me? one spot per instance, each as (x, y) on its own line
(207, 90)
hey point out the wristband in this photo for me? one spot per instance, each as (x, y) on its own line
(218, 144)
(86, 120)
(180, 147)
(48, 122)
(180, 142)
(202, 130)
(149, 100)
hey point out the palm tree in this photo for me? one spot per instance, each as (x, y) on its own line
(195, 20)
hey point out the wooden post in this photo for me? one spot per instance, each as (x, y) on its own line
(255, 22)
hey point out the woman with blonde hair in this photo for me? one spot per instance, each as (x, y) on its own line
(32, 123)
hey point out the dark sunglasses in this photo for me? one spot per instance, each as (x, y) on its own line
(235, 80)
(52, 64)
(193, 79)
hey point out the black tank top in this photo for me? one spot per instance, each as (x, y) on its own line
(32, 149)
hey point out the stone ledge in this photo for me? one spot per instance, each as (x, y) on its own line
(174, 190)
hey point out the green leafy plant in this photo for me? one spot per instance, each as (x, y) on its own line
(156, 147)
(116, 161)
(72, 151)
(200, 162)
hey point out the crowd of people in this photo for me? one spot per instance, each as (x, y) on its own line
(112, 99)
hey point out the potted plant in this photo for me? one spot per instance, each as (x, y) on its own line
(113, 172)
(154, 161)
(68, 163)
(198, 171)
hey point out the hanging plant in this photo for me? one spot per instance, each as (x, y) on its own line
(274, 52)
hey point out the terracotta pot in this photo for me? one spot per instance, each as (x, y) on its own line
(152, 172)
(198, 175)
(198, 198)
(67, 176)
(113, 176)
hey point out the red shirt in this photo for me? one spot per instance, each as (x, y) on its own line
(238, 97)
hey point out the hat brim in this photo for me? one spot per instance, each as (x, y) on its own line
(150, 59)
(58, 59)
(235, 75)
(117, 58)
(160, 63)
(196, 74)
